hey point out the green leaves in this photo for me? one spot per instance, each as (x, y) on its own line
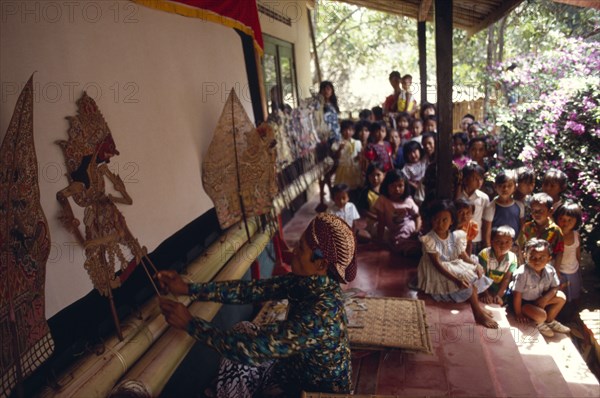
(556, 121)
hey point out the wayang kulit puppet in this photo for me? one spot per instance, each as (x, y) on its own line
(25, 338)
(239, 171)
(107, 240)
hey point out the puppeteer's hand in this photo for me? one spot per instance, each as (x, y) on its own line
(171, 281)
(176, 314)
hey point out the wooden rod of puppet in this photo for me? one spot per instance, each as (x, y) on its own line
(237, 172)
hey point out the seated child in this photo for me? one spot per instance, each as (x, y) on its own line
(341, 206)
(542, 227)
(367, 199)
(536, 293)
(445, 270)
(568, 218)
(499, 264)
(464, 221)
(399, 214)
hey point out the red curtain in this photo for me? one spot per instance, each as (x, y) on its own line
(238, 14)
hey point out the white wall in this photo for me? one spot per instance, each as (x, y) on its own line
(160, 81)
(298, 34)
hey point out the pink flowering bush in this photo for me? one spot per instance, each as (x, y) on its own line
(553, 121)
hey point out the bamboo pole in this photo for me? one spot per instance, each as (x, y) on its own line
(157, 366)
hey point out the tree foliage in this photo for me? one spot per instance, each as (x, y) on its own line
(553, 120)
(359, 47)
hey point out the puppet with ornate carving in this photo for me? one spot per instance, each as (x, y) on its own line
(239, 170)
(25, 339)
(107, 238)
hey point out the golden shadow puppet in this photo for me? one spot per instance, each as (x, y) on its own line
(107, 238)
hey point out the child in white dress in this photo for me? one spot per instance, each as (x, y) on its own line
(446, 272)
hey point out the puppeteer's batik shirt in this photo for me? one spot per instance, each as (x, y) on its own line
(311, 345)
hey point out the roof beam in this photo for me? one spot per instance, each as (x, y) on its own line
(505, 7)
(424, 8)
(581, 3)
(392, 7)
(469, 15)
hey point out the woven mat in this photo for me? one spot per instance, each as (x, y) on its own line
(373, 322)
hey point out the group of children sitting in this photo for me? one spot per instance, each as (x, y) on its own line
(470, 248)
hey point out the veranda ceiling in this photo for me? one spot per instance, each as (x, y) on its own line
(470, 15)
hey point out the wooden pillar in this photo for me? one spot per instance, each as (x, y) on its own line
(255, 78)
(421, 36)
(443, 55)
(314, 45)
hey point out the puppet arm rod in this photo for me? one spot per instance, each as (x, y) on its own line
(67, 217)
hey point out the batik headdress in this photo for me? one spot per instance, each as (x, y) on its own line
(334, 238)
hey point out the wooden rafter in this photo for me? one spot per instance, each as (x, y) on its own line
(424, 8)
(503, 9)
(469, 15)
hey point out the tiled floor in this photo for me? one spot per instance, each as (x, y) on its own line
(467, 360)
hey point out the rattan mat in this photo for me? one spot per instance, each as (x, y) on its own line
(374, 322)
